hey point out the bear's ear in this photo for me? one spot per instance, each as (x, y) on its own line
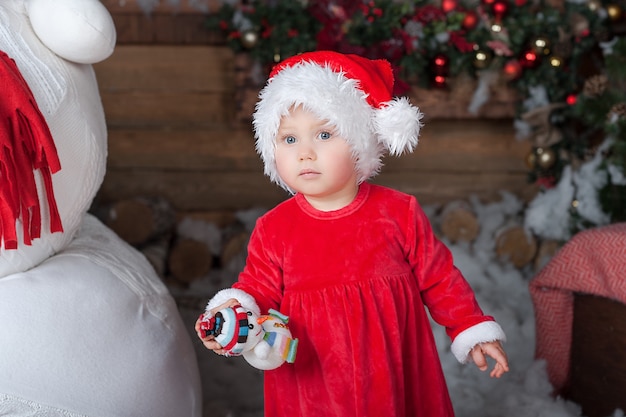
(80, 31)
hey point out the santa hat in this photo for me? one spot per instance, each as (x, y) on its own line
(26, 146)
(351, 92)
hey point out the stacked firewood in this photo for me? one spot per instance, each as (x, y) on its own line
(457, 221)
(181, 248)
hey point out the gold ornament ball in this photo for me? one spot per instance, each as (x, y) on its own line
(541, 45)
(249, 39)
(614, 11)
(482, 59)
(594, 5)
(545, 157)
(556, 61)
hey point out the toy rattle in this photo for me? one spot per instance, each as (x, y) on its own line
(264, 341)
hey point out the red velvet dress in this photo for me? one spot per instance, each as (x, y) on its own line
(355, 283)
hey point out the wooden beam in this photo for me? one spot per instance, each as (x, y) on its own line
(167, 85)
(210, 190)
(445, 146)
(165, 23)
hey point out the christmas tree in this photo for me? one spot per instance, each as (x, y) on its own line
(565, 60)
(591, 188)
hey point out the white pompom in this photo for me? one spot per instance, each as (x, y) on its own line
(80, 31)
(262, 350)
(397, 126)
(263, 357)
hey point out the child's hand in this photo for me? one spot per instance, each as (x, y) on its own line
(495, 351)
(209, 341)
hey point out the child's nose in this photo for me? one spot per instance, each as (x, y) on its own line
(305, 152)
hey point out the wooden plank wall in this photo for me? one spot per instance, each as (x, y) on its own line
(168, 92)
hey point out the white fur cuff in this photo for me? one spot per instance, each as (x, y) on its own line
(487, 331)
(246, 300)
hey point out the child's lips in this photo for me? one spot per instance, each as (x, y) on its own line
(308, 173)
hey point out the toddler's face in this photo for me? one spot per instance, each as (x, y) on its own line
(312, 159)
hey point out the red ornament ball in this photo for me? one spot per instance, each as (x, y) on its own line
(449, 5)
(470, 21)
(440, 64)
(571, 99)
(512, 69)
(500, 8)
(439, 81)
(529, 59)
(441, 61)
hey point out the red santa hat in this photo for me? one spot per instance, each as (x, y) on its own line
(26, 146)
(351, 92)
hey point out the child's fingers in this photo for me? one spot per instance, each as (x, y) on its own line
(211, 313)
(495, 351)
(479, 358)
(498, 371)
(211, 344)
(209, 341)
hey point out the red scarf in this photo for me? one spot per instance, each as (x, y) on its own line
(26, 144)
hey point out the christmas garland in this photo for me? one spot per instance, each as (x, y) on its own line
(564, 58)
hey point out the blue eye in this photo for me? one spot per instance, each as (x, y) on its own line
(325, 135)
(290, 140)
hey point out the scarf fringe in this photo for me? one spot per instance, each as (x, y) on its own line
(26, 145)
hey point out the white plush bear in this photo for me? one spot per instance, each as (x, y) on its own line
(86, 326)
(264, 341)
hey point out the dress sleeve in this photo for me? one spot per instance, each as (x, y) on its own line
(445, 292)
(262, 274)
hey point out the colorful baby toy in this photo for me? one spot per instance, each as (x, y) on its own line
(264, 341)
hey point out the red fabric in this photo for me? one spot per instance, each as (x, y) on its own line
(26, 144)
(354, 283)
(592, 262)
(375, 77)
